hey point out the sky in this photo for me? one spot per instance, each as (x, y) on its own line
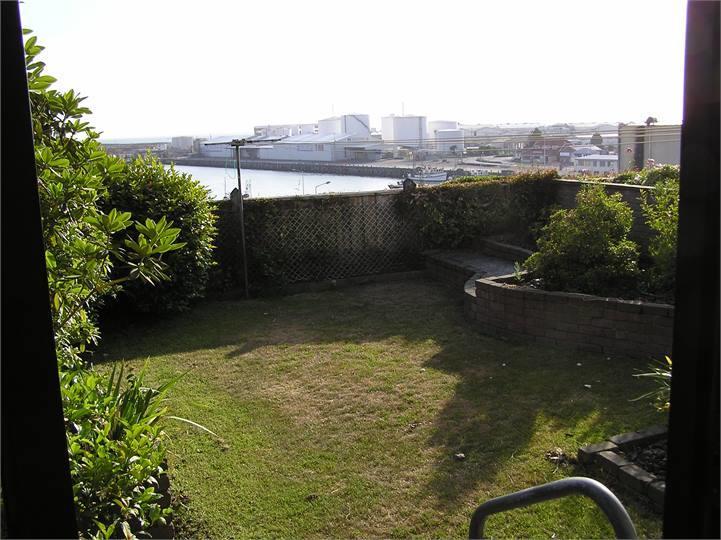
(213, 67)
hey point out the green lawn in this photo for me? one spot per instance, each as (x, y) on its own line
(340, 413)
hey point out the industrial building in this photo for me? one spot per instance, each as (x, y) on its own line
(449, 140)
(211, 148)
(355, 125)
(637, 144)
(181, 145)
(131, 148)
(340, 138)
(285, 130)
(407, 131)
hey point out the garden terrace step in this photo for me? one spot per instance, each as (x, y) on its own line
(455, 267)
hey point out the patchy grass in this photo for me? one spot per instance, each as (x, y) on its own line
(340, 413)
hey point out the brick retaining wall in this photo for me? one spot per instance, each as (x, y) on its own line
(580, 321)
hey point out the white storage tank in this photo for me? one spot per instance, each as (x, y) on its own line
(357, 125)
(408, 131)
(449, 140)
(437, 125)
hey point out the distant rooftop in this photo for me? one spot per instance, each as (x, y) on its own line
(607, 157)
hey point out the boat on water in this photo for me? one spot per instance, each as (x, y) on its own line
(428, 176)
(423, 177)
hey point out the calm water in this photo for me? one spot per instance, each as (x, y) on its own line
(280, 183)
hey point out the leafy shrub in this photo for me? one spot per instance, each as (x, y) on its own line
(586, 249)
(116, 455)
(661, 213)
(648, 177)
(455, 213)
(628, 177)
(660, 174)
(661, 374)
(115, 450)
(149, 190)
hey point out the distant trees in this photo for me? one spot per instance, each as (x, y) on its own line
(651, 120)
(596, 139)
(535, 137)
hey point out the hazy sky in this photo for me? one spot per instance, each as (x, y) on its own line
(162, 68)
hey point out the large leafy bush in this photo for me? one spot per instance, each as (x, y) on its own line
(455, 213)
(149, 190)
(111, 424)
(661, 212)
(586, 249)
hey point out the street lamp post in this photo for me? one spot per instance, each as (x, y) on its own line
(321, 184)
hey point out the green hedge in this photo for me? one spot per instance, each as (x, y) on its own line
(455, 213)
(264, 263)
(148, 190)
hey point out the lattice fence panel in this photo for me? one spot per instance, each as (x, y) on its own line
(339, 238)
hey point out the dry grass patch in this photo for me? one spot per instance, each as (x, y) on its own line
(341, 413)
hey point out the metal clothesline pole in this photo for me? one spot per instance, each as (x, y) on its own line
(237, 144)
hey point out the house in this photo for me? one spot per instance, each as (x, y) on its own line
(543, 150)
(568, 152)
(596, 163)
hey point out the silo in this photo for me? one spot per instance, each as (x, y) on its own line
(408, 131)
(449, 140)
(437, 125)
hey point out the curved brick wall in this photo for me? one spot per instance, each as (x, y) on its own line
(580, 321)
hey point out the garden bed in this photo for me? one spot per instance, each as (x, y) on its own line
(637, 460)
(500, 306)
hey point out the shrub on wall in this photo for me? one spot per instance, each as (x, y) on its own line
(454, 213)
(661, 213)
(148, 190)
(586, 249)
(649, 177)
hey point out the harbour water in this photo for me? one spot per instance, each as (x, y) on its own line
(280, 183)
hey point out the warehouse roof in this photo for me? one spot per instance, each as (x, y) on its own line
(314, 138)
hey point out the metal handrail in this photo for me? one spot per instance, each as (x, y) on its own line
(576, 485)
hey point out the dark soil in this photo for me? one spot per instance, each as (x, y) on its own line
(651, 458)
(536, 283)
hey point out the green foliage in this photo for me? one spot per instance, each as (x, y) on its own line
(586, 249)
(150, 191)
(628, 177)
(114, 445)
(265, 264)
(455, 213)
(661, 213)
(116, 456)
(648, 177)
(661, 375)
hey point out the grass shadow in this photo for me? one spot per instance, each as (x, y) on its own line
(507, 399)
